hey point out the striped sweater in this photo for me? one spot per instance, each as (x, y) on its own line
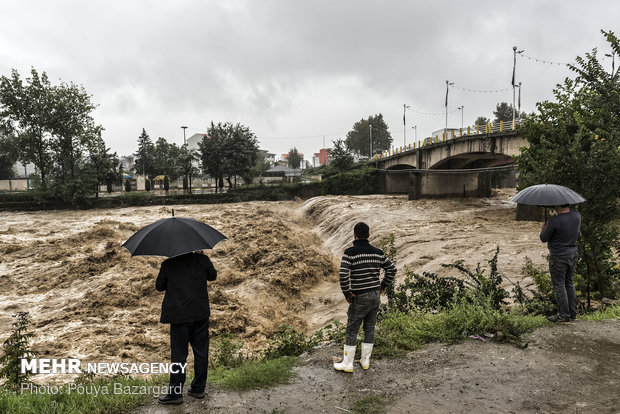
(360, 269)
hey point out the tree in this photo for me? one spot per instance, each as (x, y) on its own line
(104, 165)
(25, 109)
(358, 139)
(185, 163)
(8, 156)
(55, 129)
(166, 159)
(341, 157)
(482, 120)
(503, 112)
(294, 159)
(228, 150)
(575, 142)
(145, 156)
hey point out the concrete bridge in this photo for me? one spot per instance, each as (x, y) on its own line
(460, 164)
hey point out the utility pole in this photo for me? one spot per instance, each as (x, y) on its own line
(184, 128)
(404, 125)
(460, 108)
(415, 127)
(370, 154)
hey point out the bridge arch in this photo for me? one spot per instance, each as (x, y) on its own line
(466, 161)
(398, 167)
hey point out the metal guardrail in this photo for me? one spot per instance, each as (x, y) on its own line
(469, 131)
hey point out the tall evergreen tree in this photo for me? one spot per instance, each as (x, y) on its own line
(144, 156)
(358, 139)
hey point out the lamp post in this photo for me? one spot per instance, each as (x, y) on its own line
(448, 83)
(370, 153)
(415, 127)
(514, 85)
(184, 128)
(460, 108)
(404, 125)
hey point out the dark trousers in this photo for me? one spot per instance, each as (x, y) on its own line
(363, 309)
(561, 269)
(197, 335)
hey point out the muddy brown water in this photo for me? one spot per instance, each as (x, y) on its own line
(90, 300)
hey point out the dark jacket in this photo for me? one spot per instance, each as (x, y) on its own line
(184, 279)
(360, 269)
(561, 233)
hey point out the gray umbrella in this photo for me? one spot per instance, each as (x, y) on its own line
(547, 195)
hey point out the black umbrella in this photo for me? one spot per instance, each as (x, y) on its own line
(547, 195)
(173, 236)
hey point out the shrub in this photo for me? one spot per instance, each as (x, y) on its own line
(226, 351)
(287, 342)
(540, 301)
(15, 348)
(359, 180)
(127, 185)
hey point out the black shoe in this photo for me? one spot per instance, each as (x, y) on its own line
(199, 395)
(170, 399)
(557, 318)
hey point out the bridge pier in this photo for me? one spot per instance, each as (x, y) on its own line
(429, 184)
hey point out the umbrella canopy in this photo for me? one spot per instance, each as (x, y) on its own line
(173, 236)
(547, 195)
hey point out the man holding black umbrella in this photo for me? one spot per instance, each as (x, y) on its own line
(186, 308)
(560, 233)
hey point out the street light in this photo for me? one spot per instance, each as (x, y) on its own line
(415, 127)
(184, 128)
(460, 108)
(613, 61)
(405, 125)
(447, 88)
(514, 68)
(370, 153)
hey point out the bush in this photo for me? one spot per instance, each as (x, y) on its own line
(127, 185)
(138, 198)
(540, 301)
(362, 179)
(287, 342)
(226, 351)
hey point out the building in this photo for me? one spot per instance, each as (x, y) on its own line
(321, 158)
(268, 156)
(192, 142)
(127, 162)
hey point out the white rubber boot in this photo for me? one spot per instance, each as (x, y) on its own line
(347, 360)
(366, 351)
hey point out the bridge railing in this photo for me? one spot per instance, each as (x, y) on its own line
(473, 130)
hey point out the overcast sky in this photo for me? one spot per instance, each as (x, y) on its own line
(295, 71)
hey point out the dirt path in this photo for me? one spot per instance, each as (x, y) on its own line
(573, 368)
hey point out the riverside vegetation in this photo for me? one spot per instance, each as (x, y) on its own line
(424, 308)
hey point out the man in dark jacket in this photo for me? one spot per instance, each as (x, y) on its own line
(560, 233)
(186, 308)
(360, 271)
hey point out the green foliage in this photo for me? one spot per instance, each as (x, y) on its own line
(341, 158)
(225, 351)
(539, 301)
(363, 179)
(73, 402)
(255, 374)
(8, 156)
(483, 120)
(358, 139)
(610, 312)
(15, 348)
(399, 332)
(135, 198)
(228, 150)
(147, 184)
(294, 158)
(483, 286)
(575, 142)
(54, 130)
(166, 183)
(334, 331)
(145, 155)
(127, 185)
(287, 342)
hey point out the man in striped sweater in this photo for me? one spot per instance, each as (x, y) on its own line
(360, 271)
